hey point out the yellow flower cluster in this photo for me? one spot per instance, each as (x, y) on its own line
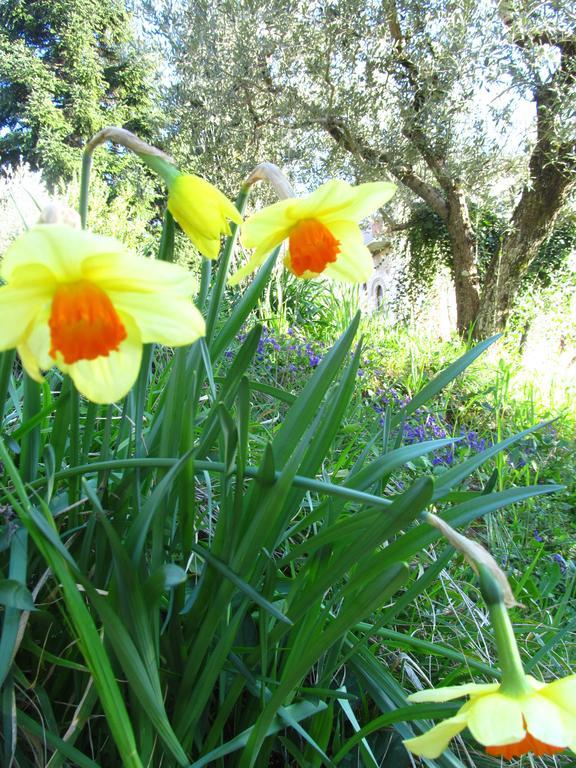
(79, 301)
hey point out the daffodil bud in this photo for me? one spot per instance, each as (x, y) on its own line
(200, 209)
(478, 557)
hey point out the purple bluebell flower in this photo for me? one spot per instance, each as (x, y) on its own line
(313, 359)
(557, 557)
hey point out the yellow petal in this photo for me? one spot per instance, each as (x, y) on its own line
(58, 248)
(195, 198)
(125, 272)
(251, 266)
(30, 363)
(19, 306)
(264, 231)
(165, 319)
(202, 211)
(270, 225)
(33, 275)
(450, 692)
(562, 693)
(537, 685)
(337, 200)
(329, 200)
(496, 719)
(365, 200)
(267, 245)
(432, 743)
(548, 722)
(354, 263)
(209, 247)
(34, 349)
(107, 379)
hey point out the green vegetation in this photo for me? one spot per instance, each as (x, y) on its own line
(67, 69)
(229, 568)
(234, 565)
(466, 105)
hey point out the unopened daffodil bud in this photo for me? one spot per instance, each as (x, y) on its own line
(200, 208)
(202, 211)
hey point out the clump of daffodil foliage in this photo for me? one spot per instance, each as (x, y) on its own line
(194, 573)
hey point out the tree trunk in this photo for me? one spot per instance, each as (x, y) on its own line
(552, 177)
(465, 271)
(532, 223)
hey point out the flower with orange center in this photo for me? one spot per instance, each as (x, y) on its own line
(322, 232)
(539, 718)
(81, 302)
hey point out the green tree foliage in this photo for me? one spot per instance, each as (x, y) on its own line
(426, 91)
(67, 69)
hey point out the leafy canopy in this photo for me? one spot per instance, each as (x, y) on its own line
(67, 69)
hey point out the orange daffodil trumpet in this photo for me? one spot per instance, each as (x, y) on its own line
(322, 231)
(81, 302)
(540, 719)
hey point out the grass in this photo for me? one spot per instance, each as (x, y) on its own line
(535, 541)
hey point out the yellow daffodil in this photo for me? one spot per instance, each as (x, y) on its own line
(81, 302)
(322, 231)
(541, 718)
(202, 211)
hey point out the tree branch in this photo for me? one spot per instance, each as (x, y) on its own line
(411, 131)
(566, 43)
(431, 195)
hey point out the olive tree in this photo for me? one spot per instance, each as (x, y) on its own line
(423, 91)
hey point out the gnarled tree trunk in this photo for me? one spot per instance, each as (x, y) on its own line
(552, 177)
(465, 272)
(531, 225)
